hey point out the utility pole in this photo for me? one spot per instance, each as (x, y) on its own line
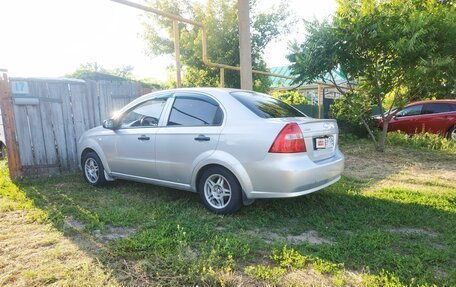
(177, 53)
(244, 45)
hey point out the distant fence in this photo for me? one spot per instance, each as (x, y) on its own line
(51, 114)
(309, 110)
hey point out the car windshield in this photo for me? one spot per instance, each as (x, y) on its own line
(266, 106)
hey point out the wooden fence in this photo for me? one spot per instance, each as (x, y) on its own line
(51, 114)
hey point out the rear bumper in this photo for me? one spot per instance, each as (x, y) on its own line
(283, 176)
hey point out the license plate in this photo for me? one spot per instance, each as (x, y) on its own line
(324, 142)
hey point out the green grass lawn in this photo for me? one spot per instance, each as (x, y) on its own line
(390, 221)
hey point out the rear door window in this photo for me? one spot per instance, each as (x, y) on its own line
(266, 106)
(195, 110)
(435, 108)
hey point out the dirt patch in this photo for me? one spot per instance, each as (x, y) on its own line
(440, 273)
(60, 185)
(312, 277)
(73, 223)
(364, 164)
(413, 230)
(310, 236)
(364, 167)
(113, 233)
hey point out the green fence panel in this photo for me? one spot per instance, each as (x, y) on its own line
(310, 110)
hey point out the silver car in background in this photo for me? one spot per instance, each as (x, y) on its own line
(231, 146)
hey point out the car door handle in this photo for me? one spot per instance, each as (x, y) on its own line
(144, 138)
(202, 138)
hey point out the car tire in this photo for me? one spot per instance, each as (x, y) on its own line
(2, 151)
(92, 169)
(220, 190)
(452, 134)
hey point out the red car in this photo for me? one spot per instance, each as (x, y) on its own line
(438, 117)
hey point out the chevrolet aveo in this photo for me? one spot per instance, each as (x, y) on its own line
(230, 146)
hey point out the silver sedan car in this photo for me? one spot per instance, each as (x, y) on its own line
(230, 146)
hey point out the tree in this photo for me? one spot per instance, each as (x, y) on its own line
(95, 71)
(124, 71)
(392, 52)
(220, 19)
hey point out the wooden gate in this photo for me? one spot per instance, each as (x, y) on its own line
(51, 114)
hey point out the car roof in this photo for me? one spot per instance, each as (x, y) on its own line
(206, 89)
(446, 101)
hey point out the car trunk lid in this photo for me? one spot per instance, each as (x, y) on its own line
(317, 131)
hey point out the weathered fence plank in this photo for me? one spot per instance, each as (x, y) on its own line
(23, 134)
(55, 92)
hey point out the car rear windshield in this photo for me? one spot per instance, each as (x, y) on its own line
(266, 106)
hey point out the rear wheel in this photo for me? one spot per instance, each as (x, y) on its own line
(452, 134)
(93, 170)
(220, 191)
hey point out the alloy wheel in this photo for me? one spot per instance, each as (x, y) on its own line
(217, 191)
(91, 170)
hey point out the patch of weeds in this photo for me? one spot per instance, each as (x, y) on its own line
(385, 279)
(289, 258)
(266, 272)
(326, 267)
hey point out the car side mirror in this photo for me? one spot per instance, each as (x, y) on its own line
(110, 124)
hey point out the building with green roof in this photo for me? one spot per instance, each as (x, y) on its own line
(315, 92)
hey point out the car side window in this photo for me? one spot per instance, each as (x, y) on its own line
(190, 110)
(146, 114)
(435, 108)
(410, 111)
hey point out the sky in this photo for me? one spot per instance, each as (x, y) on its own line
(51, 38)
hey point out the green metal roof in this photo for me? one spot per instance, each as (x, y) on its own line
(277, 82)
(281, 82)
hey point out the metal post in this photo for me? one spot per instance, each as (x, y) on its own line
(319, 100)
(177, 53)
(244, 45)
(6, 103)
(222, 77)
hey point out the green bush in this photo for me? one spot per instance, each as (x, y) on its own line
(423, 140)
(292, 97)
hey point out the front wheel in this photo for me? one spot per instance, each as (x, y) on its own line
(220, 191)
(452, 134)
(93, 170)
(2, 150)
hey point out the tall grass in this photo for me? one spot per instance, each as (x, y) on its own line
(422, 140)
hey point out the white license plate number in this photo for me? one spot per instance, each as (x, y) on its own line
(324, 142)
(321, 143)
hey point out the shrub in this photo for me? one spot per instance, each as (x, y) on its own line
(423, 140)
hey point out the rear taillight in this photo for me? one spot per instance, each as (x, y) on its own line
(289, 140)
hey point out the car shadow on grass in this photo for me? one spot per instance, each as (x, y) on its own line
(143, 233)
